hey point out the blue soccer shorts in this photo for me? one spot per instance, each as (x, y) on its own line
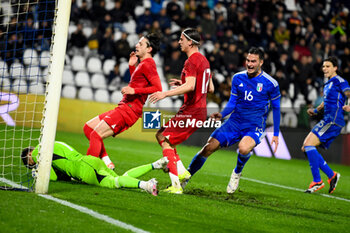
(326, 131)
(231, 132)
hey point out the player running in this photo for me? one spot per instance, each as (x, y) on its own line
(144, 81)
(68, 163)
(335, 92)
(252, 92)
(194, 84)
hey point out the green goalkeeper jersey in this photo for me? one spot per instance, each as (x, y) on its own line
(65, 161)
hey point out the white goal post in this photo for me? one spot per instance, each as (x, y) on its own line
(53, 94)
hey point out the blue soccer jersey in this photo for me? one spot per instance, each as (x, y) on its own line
(253, 98)
(334, 100)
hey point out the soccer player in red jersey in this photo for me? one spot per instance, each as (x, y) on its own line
(144, 80)
(194, 84)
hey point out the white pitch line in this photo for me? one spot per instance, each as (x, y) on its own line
(83, 210)
(292, 188)
(94, 214)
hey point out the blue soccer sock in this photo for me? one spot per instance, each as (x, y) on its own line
(324, 166)
(196, 163)
(241, 161)
(313, 157)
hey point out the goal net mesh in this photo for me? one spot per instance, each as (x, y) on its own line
(26, 28)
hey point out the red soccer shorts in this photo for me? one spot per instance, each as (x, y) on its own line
(120, 119)
(181, 126)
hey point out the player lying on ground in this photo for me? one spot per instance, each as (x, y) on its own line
(67, 163)
(252, 92)
(144, 80)
(335, 93)
(194, 84)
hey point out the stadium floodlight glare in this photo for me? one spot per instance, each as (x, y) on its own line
(28, 30)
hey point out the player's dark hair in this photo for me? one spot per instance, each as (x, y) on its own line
(257, 51)
(332, 60)
(335, 63)
(154, 42)
(192, 35)
(24, 156)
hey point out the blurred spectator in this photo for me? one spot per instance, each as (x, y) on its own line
(173, 66)
(221, 26)
(156, 28)
(106, 23)
(44, 36)
(106, 45)
(164, 20)
(294, 20)
(219, 9)
(345, 64)
(227, 39)
(144, 21)
(310, 35)
(202, 9)
(85, 13)
(242, 23)
(208, 27)
(122, 47)
(78, 40)
(304, 78)
(267, 34)
(93, 41)
(232, 15)
(174, 11)
(118, 15)
(113, 79)
(190, 5)
(296, 35)
(283, 82)
(74, 12)
(14, 48)
(302, 48)
(156, 7)
(99, 11)
(282, 64)
(29, 33)
(231, 59)
(312, 9)
(190, 21)
(326, 36)
(225, 89)
(281, 33)
(317, 68)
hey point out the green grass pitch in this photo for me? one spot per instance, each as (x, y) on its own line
(204, 207)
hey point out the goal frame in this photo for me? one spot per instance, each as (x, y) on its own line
(52, 95)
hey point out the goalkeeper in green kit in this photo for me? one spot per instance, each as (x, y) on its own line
(67, 163)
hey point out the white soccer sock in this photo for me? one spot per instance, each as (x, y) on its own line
(143, 185)
(180, 167)
(175, 182)
(156, 165)
(106, 160)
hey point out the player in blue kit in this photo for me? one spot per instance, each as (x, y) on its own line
(253, 91)
(335, 92)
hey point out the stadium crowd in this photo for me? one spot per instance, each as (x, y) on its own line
(295, 39)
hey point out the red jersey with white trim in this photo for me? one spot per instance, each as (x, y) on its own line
(145, 80)
(197, 66)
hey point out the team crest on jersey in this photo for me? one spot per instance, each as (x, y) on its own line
(259, 87)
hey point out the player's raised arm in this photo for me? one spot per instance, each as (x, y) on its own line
(188, 86)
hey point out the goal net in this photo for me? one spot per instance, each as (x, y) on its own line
(30, 70)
